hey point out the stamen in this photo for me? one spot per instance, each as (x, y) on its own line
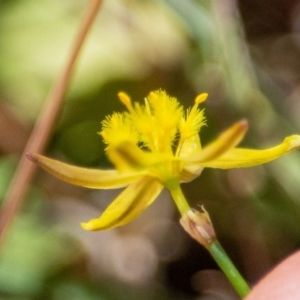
(201, 98)
(147, 107)
(125, 99)
(153, 95)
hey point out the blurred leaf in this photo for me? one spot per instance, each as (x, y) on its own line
(36, 37)
(32, 253)
(81, 143)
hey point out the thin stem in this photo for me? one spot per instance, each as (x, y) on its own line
(198, 225)
(42, 130)
(180, 200)
(224, 262)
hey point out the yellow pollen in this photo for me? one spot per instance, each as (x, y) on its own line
(125, 99)
(201, 98)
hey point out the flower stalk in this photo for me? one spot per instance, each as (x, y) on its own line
(180, 200)
(198, 225)
(226, 265)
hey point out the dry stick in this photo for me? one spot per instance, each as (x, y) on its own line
(42, 130)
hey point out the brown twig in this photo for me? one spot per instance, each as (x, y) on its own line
(12, 126)
(42, 130)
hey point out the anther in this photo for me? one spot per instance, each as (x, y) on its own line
(201, 98)
(154, 96)
(125, 99)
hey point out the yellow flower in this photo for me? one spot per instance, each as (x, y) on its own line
(156, 145)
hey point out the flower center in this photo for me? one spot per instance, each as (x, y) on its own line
(160, 125)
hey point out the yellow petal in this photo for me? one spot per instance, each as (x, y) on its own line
(190, 173)
(227, 140)
(97, 179)
(243, 158)
(128, 156)
(190, 146)
(127, 206)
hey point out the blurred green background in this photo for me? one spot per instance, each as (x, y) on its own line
(245, 54)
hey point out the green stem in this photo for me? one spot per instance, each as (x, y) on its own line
(224, 262)
(180, 200)
(215, 249)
